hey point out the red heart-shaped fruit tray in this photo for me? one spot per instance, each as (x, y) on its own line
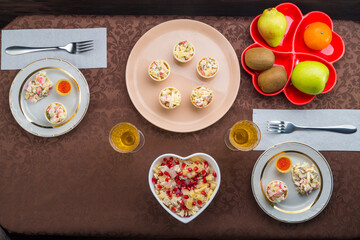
(293, 50)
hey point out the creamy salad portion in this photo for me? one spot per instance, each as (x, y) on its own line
(55, 113)
(305, 178)
(38, 88)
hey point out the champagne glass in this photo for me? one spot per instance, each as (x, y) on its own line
(243, 136)
(124, 137)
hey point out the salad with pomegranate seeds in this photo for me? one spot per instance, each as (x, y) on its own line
(184, 186)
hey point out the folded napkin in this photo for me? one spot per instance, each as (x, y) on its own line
(320, 140)
(54, 37)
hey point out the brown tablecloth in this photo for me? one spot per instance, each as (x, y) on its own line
(84, 187)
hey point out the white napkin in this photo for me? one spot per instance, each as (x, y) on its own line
(54, 37)
(320, 140)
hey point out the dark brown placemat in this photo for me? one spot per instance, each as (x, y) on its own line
(77, 184)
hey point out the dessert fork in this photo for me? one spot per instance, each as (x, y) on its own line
(73, 48)
(288, 127)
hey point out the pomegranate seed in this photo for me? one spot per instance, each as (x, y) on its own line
(175, 189)
(195, 178)
(153, 180)
(205, 162)
(170, 194)
(165, 159)
(206, 165)
(203, 192)
(186, 196)
(167, 179)
(166, 173)
(214, 174)
(203, 172)
(159, 186)
(182, 203)
(171, 165)
(197, 162)
(188, 188)
(177, 162)
(163, 164)
(180, 173)
(178, 182)
(199, 202)
(196, 168)
(177, 195)
(204, 180)
(160, 173)
(192, 188)
(173, 208)
(183, 166)
(171, 158)
(193, 203)
(189, 169)
(181, 193)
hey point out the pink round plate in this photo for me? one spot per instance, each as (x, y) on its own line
(158, 43)
(293, 50)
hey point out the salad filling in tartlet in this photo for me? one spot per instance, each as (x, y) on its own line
(305, 178)
(276, 191)
(170, 98)
(63, 87)
(38, 88)
(201, 97)
(184, 51)
(207, 67)
(55, 113)
(159, 70)
(184, 186)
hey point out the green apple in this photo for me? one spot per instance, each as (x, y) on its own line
(272, 26)
(310, 77)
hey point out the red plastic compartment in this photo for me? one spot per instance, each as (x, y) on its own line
(292, 50)
(282, 59)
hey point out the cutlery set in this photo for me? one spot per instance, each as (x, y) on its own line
(289, 127)
(72, 48)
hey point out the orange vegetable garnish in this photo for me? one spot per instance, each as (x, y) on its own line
(317, 36)
(283, 164)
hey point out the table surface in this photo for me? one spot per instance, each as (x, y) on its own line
(84, 187)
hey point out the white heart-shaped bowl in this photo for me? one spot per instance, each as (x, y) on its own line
(206, 157)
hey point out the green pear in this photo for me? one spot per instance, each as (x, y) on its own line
(272, 26)
(310, 77)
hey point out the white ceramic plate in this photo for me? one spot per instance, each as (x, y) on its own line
(31, 116)
(205, 156)
(296, 207)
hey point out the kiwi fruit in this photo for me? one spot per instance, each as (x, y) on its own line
(259, 58)
(273, 79)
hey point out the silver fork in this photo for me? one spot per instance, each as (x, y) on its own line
(73, 48)
(288, 127)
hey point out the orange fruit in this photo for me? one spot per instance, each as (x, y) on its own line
(317, 36)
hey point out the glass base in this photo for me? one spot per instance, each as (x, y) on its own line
(227, 141)
(141, 142)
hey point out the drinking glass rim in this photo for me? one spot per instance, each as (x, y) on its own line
(258, 134)
(112, 143)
